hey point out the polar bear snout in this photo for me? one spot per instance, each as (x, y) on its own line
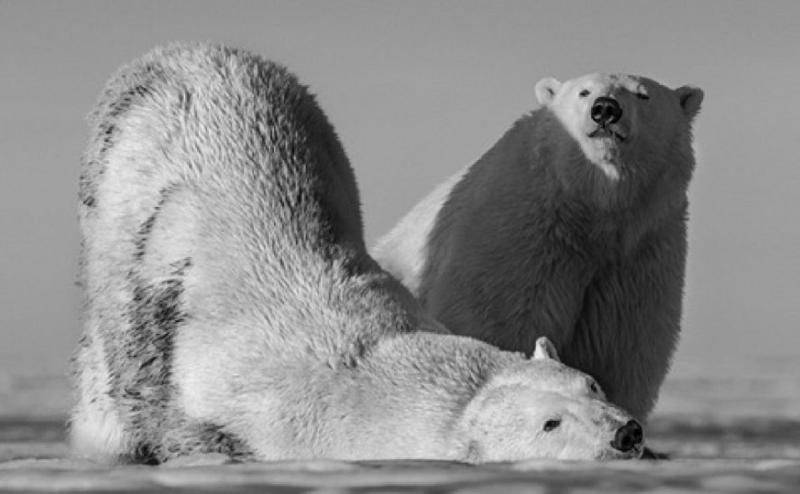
(606, 111)
(628, 437)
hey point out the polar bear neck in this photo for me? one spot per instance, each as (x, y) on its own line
(537, 170)
(553, 148)
(566, 115)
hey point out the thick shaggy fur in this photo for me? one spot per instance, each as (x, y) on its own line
(555, 233)
(231, 306)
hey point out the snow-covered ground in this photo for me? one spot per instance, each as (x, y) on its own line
(729, 427)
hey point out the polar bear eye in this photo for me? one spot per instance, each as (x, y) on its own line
(584, 93)
(594, 387)
(551, 424)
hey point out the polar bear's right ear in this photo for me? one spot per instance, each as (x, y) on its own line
(690, 98)
(546, 90)
(545, 349)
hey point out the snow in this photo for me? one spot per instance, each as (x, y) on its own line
(731, 429)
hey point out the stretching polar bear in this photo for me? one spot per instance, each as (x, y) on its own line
(232, 307)
(572, 226)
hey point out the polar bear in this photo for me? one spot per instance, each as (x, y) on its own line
(231, 306)
(572, 226)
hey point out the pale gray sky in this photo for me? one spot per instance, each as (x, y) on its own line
(417, 90)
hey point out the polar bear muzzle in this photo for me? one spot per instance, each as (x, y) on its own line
(629, 437)
(606, 110)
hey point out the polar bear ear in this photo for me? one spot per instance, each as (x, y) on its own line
(545, 349)
(546, 90)
(690, 99)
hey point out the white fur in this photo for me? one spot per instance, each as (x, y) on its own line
(568, 228)
(232, 307)
(403, 250)
(572, 109)
(95, 430)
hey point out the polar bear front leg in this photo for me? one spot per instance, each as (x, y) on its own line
(630, 325)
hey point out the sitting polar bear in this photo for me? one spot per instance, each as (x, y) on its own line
(572, 226)
(232, 307)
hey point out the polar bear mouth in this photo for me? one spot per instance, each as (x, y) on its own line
(608, 133)
(636, 453)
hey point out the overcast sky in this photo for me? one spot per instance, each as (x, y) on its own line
(417, 90)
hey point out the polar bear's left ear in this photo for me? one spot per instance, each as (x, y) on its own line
(546, 90)
(545, 349)
(690, 99)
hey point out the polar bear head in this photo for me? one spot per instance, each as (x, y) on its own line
(622, 121)
(540, 408)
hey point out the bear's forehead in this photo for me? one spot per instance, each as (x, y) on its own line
(611, 82)
(543, 374)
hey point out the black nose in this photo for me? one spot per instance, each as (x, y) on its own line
(606, 110)
(628, 436)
